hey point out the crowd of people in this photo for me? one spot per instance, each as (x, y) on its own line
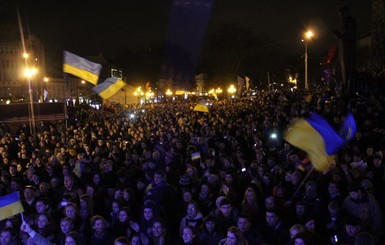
(165, 174)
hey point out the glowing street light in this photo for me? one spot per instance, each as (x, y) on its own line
(30, 72)
(218, 90)
(308, 35)
(168, 92)
(231, 90)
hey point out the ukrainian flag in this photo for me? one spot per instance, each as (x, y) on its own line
(109, 87)
(201, 107)
(81, 67)
(318, 139)
(10, 205)
(195, 155)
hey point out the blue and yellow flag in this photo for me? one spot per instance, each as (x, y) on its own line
(109, 87)
(318, 139)
(201, 107)
(10, 205)
(82, 68)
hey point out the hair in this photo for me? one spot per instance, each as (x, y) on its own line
(122, 240)
(244, 216)
(304, 237)
(300, 229)
(238, 235)
(76, 236)
(192, 228)
(161, 221)
(96, 218)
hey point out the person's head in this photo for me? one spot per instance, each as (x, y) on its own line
(71, 210)
(7, 236)
(122, 241)
(310, 224)
(123, 214)
(234, 236)
(355, 191)
(209, 223)
(270, 203)
(300, 208)
(302, 239)
(148, 212)
(42, 221)
(68, 181)
(250, 195)
(98, 224)
(41, 205)
(352, 225)
(187, 196)
(225, 207)
(271, 218)
(29, 192)
(244, 222)
(159, 177)
(115, 207)
(158, 228)
(192, 209)
(310, 188)
(333, 207)
(135, 239)
(333, 188)
(295, 230)
(66, 225)
(377, 160)
(73, 238)
(188, 234)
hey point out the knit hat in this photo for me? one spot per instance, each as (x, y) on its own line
(185, 181)
(224, 201)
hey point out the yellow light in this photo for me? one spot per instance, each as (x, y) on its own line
(135, 93)
(30, 72)
(309, 34)
(25, 55)
(46, 79)
(218, 90)
(211, 91)
(231, 89)
(83, 82)
(168, 92)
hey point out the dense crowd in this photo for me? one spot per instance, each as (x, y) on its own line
(165, 174)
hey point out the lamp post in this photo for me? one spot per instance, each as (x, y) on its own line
(29, 73)
(308, 35)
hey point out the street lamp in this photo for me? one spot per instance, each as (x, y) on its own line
(231, 90)
(308, 35)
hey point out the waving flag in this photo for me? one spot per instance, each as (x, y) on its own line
(10, 205)
(202, 107)
(109, 87)
(318, 139)
(82, 68)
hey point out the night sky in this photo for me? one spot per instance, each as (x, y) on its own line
(110, 27)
